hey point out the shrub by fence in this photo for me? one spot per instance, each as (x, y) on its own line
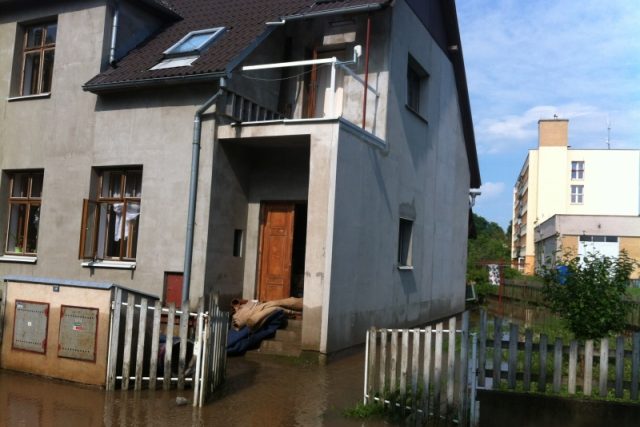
(531, 293)
(514, 359)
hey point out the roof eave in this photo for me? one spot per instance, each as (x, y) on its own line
(344, 10)
(457, 59)
(100, 88)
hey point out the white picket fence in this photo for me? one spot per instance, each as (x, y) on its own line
(134, 346)
(423, 371)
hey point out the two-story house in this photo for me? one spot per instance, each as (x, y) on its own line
(261, 149)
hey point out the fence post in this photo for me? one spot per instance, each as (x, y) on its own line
(404, 356)
(619, 366)
(182, 360)
(635, 361)
(464, 370)
(437, 371)
(382, 381)
(528, 350)
(573, 364)
(114, 335)
(557, 366)
(414, 371)
(514, 333)
(128, 335)
(482, 348)
(197, 353)
(451, 359)
(142, 329)
(542, 377)
(604, 366)
(168, 346)
(497, 352)
(370, 366)
(394, 360)
(426, 371)
(588, 368)
(155, 341)
(474, 372)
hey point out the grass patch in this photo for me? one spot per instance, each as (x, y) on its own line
(634, 293)
(363, 411)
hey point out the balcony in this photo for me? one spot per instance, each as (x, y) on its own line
(334, 91)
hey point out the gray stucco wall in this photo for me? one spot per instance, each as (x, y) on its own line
(426, 173)
(73, 131)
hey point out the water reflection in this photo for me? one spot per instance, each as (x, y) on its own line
(264, 392)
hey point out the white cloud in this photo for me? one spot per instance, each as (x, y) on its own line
(530, 60)
(491, 191)
(587, 128)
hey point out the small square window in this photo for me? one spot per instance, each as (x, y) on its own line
(416, 87)
(577, 170)
(577, 194)
(405, 243)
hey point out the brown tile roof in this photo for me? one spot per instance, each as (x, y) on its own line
(244, 21)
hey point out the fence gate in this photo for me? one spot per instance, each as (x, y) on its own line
(423, 372)
(141, 356)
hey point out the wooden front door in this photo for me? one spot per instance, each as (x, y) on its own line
(276, 243)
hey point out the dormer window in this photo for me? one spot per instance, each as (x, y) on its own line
(188, 48)
(194, 42)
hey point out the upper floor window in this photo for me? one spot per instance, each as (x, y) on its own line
(577, 194)
(577, 170)
(38, 51)
(416, 87)
(25, 195)
(110, 220)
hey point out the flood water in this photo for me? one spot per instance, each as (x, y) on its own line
(261, 392)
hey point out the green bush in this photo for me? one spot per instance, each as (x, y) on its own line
(590, 295)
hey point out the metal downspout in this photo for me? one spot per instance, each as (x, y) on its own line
(114, 35)
(366, 72)
(193, 187)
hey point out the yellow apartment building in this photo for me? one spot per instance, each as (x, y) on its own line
(577, 200)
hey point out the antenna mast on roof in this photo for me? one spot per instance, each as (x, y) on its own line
(608, 133)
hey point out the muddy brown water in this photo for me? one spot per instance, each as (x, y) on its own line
(260, 392)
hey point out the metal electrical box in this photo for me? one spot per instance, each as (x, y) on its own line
(78, 329)
(30, 326)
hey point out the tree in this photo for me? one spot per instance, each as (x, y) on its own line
(491, 244)
(590, 295)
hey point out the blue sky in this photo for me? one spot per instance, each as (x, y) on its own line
(530, 59)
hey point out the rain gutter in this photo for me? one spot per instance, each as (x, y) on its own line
(193, 187)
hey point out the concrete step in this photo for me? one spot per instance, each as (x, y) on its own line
(289, 336)
(287, 341)
(294, 325)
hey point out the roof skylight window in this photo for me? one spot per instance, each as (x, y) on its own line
(194, 42)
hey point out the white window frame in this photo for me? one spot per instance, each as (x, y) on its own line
(215, 33)
(577, 194)
(577, 170)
